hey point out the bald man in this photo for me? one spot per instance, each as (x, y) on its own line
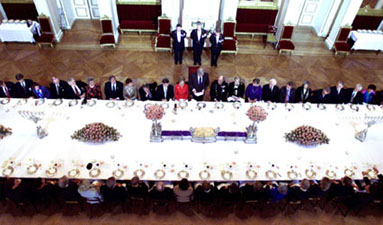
(219, 90)
(270, 91)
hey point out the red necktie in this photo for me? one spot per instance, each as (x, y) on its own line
(7, 92)
(77, 93)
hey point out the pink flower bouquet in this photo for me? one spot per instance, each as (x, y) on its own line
(256, 113)
(96, 133)
(154, 112)
(307, 136)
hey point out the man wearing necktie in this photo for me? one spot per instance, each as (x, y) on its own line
(113, 89)
(6, 90)
(287, 93)
(73, 91)
(57, 88)
(337, 95)
(165, 91)
(23, 88)
(178, 37)
(198, 37)
(354, 95)
(198, 83)
(216, 41)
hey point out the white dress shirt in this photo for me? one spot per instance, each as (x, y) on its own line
(179, 36)
(199, 34)
(165, 91)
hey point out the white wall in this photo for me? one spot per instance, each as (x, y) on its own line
(322, 15)
(171, 8)
(108, 8)
(50, 9)
(69, 13)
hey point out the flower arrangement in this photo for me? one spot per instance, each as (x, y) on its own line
(4, 131)
(256, 113)
(154, 112)
(96, 133)
(307, 136)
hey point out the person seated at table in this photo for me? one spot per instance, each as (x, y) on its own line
(67, 189)
(229, 192)
(181, 90)
(337, 93)
(354, 95)
(165, 91)
(198, 84)
(298, 191)
(205, 192)
(113, 191)
(57, 88)
(16, 190)
(161, 192)
(183, 191)
(145, 93)
(369, 94)
(253, 191)
(23, 87)
(74, 90)
(218, 90)
(40, 91)
(113, 89)
(90, 191)
(130, 90)
(93, 90)
(303, 93)
(270, 91)
(321, 96)
(277, 192)
(6, 89)
(287, 93)
(236, 90)
(254, 91)
(137, 188)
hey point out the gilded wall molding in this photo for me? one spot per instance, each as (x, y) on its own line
(139, 2)
(368, 11)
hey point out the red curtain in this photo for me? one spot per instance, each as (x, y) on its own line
(255, 20)
(138, 12)
(22, 11)
(366, 22)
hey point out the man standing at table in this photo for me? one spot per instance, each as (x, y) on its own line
(23, 88)
(6, 89)
(198, 83)
(198, 36)
(178, 37)
(113, 89)
(216, 41)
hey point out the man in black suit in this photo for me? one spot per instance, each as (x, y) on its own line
(57, 88)
(321, 96)
(216, 41)
(113, 89)
(198, 84)
(178, 37)
(354, 95)
(198, 37)
(270, 92)
(303, 93)
(113, 191)
(145, 93)
(73, 90)
(23, 88)
(219, 90)
(287, 93)
(337, 93)
(6, 89)
(165, 91)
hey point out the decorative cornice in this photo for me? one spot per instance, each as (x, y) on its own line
(16, 1)
(244, 4)
(139, 2)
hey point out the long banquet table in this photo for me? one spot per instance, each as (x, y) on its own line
(20, 32)
(134, 151)
(367, 41)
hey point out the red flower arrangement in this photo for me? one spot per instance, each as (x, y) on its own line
(96, 133)
(256, 113)
(154, 112)
(307, 136)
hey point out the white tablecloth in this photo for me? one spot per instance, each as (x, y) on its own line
(10, 32)
(134, 150)
(367, 41)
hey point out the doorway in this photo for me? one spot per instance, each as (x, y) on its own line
(86, 9)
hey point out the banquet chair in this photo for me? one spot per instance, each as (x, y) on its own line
(285, 44)
(47, 36)
(341, 45)
(230, 44)
(107, 38)
(163, 40)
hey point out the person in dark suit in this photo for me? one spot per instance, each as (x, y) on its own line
(299, 191)
(74, 90)
(198, 37)
(40, 91)
(68, 190)
(57, 88)
(337, 94)
(354, 95)
(303, 93)
(161, 192)
(178, 37)
(113, 89)
(6, 89)
(145, 93)
(236, 89)
(113, 191)
(219, 90)
(270, 92)
(23, 88)
(321, 96)
(137, 188)
(287, 93)
(205, 192)
(165, 91)
(198, 84)
(216, 41)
